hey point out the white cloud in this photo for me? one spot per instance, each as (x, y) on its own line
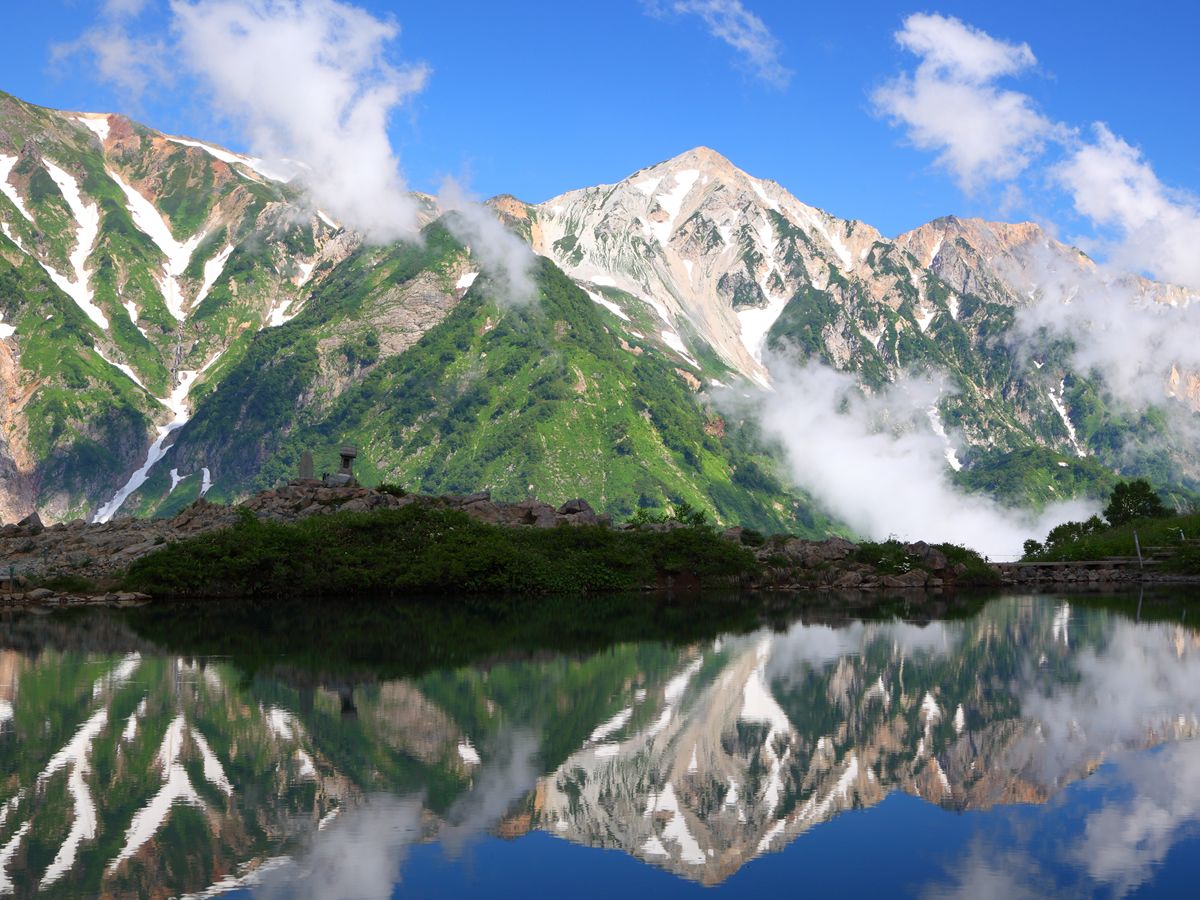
(505, 257)
(1157, 229)
(1118, 326)
(877, 464)
(124, 7)
(130, 62)
(950, 104)
(311, 82)
(731, 22)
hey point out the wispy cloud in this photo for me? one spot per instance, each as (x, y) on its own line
(951, 104)
(131, 63)
(505, 257)
(731, 22)
(312, 81)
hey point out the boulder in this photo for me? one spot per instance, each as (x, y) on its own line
(914, 579)
(32, 523)
(572, 507)
(484, 511)
(848, 580)
(930, 557)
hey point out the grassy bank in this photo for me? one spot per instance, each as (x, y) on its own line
(418, 550)
(1171, 532)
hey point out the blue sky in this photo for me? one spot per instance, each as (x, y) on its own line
(537, 97)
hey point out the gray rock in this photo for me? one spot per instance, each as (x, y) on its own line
(578, 505)
(32, 523)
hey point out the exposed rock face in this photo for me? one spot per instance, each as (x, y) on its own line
(703, 244)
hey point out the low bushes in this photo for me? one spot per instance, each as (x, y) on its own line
(418, 550)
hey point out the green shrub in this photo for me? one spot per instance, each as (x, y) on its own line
(1134, 500)
(418, 550)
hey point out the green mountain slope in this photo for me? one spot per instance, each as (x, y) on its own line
(544, 399)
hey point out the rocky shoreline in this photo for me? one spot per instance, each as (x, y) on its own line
(98, 553)
(78, 563)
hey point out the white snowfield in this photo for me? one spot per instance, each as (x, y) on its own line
(7, 163)
(87, 217)
(212, 271)
(256, 165)
(178, 254)
(97, 123)
(176, 402)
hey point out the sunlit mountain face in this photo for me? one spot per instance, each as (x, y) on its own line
(133, 768)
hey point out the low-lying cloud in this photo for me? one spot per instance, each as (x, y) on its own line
(877, 463)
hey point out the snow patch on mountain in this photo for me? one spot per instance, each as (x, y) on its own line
(672, 340)
(671, 202)
(178, 254)
(756, 323)
(1060, 407)
(212, 271)
(176, 402)
(599, 298)
(6, 166)
(935, 422)
(87, 218)
(97, 124)
(122, 367)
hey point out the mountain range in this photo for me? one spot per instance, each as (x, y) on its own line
(178, 321)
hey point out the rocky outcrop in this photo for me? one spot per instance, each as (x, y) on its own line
(102, 550)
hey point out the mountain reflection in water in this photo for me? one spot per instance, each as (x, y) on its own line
(1059, 729)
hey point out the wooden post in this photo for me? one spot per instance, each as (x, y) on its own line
(1138, 546)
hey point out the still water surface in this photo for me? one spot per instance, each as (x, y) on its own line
(1031, 746)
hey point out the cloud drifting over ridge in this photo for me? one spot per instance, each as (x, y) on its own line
(302, 80)
(503, 255)
(310, 81)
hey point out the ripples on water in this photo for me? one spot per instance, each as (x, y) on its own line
(1034, 746)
